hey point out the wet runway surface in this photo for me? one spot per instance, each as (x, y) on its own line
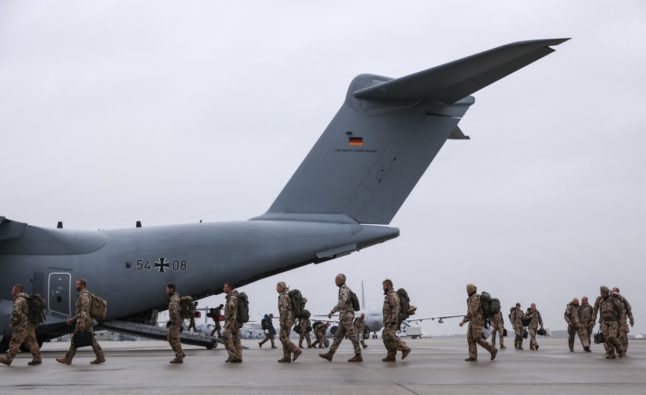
(436, 366)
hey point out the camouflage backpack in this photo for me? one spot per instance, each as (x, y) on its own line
(298, 302)
(36, 306)
(355, 301)
(98, 307)
(489, 306)
(187, 307)
(405, 308)
(243, 308)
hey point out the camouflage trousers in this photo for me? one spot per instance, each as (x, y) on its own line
(391, 341)
(500, 330)
(519, 330)
(610, 330)
(95, 345)
(24, 334)
(304, 335)
(590, 331)
(172, 337)
(533, 345)
(268, 336)
(582, 331)
(474, 337)
(231, 338)
(289, 347)
(320, 339)
(217, 328)
(623, 335)
(345, 328)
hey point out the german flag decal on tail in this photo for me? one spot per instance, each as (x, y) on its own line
(355, 141)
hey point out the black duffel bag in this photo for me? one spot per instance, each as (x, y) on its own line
(83, 339)
(525, 334)
(599, 338)
(504, 332)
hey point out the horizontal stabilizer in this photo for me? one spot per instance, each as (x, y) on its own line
(453, 81)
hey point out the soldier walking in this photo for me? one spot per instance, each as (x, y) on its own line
(231, 325)
(535, 320)
(24, 331)
(268, 328)
(215, 314)
(498, 325)
(360, 327)
(174, 323)
(346, 320)
(290, 351)
(611, 313)
(623, 325)
(305, 329)
(586, 318)
(574, 326)
(83, 323)
(390, 312)
(475, 318)
(516, 317)
(320, 329)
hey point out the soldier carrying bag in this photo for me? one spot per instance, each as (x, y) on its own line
(36, 306)
(98, 307)
(243, 308)
(355, 301)
(298, 302)
(489, 306)
(599, 338)
(187, 307)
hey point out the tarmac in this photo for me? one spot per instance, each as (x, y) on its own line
(436, 366)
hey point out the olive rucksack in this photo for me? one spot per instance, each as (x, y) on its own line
(306, 314)
(98, 307)
(36, 306)
(243, 308)
(405, 308)
(187, 307)
(298, 302)
(354, 300)
(489, 306)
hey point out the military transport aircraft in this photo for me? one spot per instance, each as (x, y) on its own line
(340, 200)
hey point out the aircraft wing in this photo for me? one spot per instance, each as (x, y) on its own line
(439, 318)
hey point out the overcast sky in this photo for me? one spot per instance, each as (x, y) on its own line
(172, 112)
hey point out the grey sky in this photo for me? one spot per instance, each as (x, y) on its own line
(172, 112)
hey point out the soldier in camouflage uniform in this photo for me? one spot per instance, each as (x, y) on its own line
(174, 323)
(475, 318)
(516, 318)
(268, 329)
(535, 320)
(391, 322)
(231, 333)
(346, 319)
(84, 323)
(23, 330)
(498, 325)
(319, 332)
(611, 313)
(305, 329)
(574, 326)
(290, 351)
(586, 319)
(217, 312)
(360, 327)
(623, 325)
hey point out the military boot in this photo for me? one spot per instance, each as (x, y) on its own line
(587, 349)
(285, 359)
(5, 360)
(66, 360)
(328, 355)
(98, 360)
(34, 362)
(356, 358)
(297, 354)
(405, 353)
(390, 357)
(493, 354)
(502, 346)
(177, 360)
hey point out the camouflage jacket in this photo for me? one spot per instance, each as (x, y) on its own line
(231, 307)
(360, 325)
(610, 309)
(571, 315)
(19, 316)
(497, 320)
(516, 317)
(585, 315)
(344, 306)
(535, 318)
(627, 306)
(321, 329)
(175, 309)
(285, 308)
(305, 324)
(82, 306)
(474, 312)
(391, 307)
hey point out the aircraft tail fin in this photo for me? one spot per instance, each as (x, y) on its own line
(453, 81)
(386, 134)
